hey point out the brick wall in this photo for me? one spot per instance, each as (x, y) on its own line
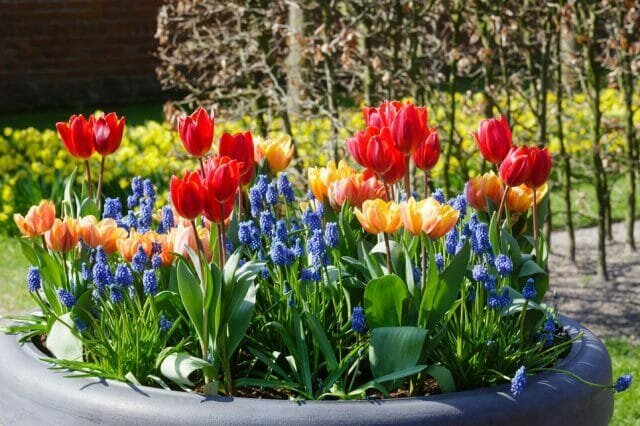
(76, 52)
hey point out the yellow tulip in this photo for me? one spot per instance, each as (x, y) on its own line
(438, 219)
(320, 178)
(277, 152)
(411, 215)
(520, 198)
(379, 216)
(481, 188)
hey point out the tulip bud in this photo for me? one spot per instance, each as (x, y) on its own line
(409, 128)
(379, 149)
(77, 136)
(540, 162)
(222, 178)
(107, 133)
(428, 152)
(187, 195)
(196, 132)
(240, 148)
(516, 167)
(494, 139)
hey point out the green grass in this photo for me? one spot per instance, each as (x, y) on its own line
(626, 359)
(14, 298)
(136, 114)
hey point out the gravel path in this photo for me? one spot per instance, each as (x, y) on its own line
(609, 308)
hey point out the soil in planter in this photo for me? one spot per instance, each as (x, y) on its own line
(41, 343)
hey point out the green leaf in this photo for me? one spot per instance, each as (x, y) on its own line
(178, 366)
(321, 339)
(62, 342)
(393, 349)
(440, 296)
(396, 253)
(89, 208)
(191, 295)
(389, 378)
(443, 376)
(530, 267)
(383, 301)
(303, 353)
(372, 264)
(238, 314)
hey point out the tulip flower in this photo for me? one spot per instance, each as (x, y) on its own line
(520, 198)
(183, 237)
(378, 148)
(216, 211)
(383, 115)
(239, 147)
(540, 162)
(428, 152)
(222, 178)
(516, 166)
(77, 137)
(277, 153)
(127, 247)
(105, 233)
(107, 134)
(38, 220)
(196, 132)
(398, 168)
(411, 215)
(438, 219)
(409, 128)
(320, 178)
(379, 216)
(355, 189)
(187, 195)
(63, 235)
(494, 139)
(482, 188)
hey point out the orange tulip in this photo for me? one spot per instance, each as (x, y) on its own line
(278, 152)
(88, 231)
(520, 198)
(129, 246)
(411, 215)
(379, 216)
(320, 178)
(110, 234)
(355, 189)
(481, 188)
(63, 235)
(438, 219)
(39, 219)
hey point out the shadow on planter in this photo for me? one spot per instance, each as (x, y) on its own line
(31, 393)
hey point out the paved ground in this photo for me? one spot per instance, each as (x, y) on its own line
(611, 308)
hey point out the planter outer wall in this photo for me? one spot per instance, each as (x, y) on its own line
(31, 393)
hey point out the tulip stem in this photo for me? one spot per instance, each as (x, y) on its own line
(221, 256)
(501, 208)
(426, 184)
(201, 166)
(407, 180)
(535, 224)
(204, 342)
(198, 240)
(100, 179)
(240, 203)
(44, 244)
(386, 245)
(89, 188)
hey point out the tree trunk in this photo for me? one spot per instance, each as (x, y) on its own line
(453, 72)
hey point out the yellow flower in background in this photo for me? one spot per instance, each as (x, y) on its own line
(379, 216)
(276, 152)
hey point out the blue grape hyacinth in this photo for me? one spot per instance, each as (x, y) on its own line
(358, 321)
(34, 281)
(519, 381)
(623, 383)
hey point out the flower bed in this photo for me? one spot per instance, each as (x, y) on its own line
(360, 288)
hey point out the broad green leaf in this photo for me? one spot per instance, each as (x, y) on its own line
(239, 311)
(530, 267)
(89, 208)
(384, 298)
(443, 376)
(303, 352)
(401, 374)
(372, 264)
(178, 366)
(393, 349)
(396, 253)
(230, 267)
(439, 298)
(62, 342)
(191, 295)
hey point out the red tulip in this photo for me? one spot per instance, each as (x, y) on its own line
(240, 148)
(222, 178)
(216, 211)
(398, 166)
(383, 115)
(196, 132)
(409, 128)
(187, 195)
(107, 133)
(77, 136)
(516, 167)
(428, 152)
(540, 162)
(357, 145)
(494, 139)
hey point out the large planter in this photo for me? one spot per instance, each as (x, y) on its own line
(31, 393)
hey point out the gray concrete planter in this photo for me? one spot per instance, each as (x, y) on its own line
(30, 393)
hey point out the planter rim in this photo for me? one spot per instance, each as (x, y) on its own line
(29, 388)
